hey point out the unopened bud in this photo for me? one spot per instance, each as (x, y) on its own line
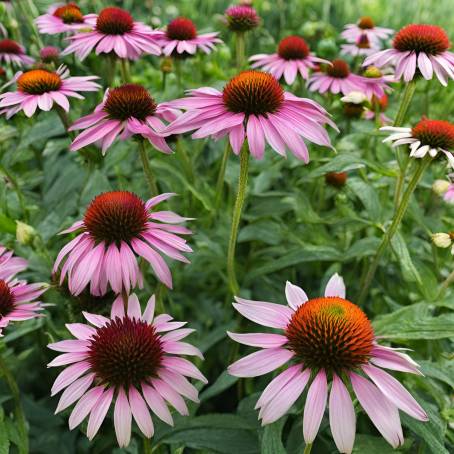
(166, 65)
(440, 187)
(354, 97)
(24, 233)
(442, 240)
(372, 72)
(336, 179)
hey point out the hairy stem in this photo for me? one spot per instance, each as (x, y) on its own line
(221, 176)
(236, 217)
(147, 169)
(398, 216)
(240, 50)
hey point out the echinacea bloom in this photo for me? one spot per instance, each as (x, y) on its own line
(13, 52)
(115, 31)
(293, 56)
(241, 18)
(336, 78)
(361, 46)
(49, 54)
(253, 106)
(327, 339)
(366, 26)
(17, 298)
(125, 111)
(63, 19)
(117, 227)
(131, 359)
(40, 88)
(375, 83)
(426, 137)
(418, 48)
(182, 40)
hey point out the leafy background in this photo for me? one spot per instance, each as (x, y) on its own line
(295, 227)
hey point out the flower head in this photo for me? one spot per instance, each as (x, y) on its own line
(253, 105)
(241, 19)
(49, 54)
(336, 78)
(63, 19)
(361, 46)
(125, 111)
(181, 39)
(115, 31)
(325, 339)
(132, 359)
(443, 240)
(366, 26)
(426, 137)
(17, 298)
(293, 56)
(117, 227)
(13, 52)
(418, 49)
(336, 179)
(375, 84)
(41, 88)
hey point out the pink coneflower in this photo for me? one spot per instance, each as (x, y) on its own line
(293, 56)
(426, 137)
(336, 78)
(366, 26)
(380, 105)
(418, 48)
(325, 338)
(449, 194)
(17, 298)
(361, 46)
(375, 83)
(49, 54)
(241, 18)
(40, 88)
(125, 111)
(116, 31)
(117, 227)
(12, 52)
(131, 358)
(254, 106)
(10, 265)
(63, 19)
(182, 40)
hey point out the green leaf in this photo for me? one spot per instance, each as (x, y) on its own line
(369, 198)
(409, 270)
(340, 163)
(267, 231)
(432, 431)
(272, 438)
(372, 445)
(4, 439)
(7, 225)
(441, 371)
(223, 382)
(414, 322)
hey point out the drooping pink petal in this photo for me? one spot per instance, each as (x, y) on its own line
(99, 412)
(315, 406)
(140, 412)
(122, 419)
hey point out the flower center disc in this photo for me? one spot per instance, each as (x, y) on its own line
(6, 299)
(293, 48)
(241, 18)
(429, 39)
(38, 81)
(69, 13)
(435, 133)
(330, 333)
(366, 23)
(129, 100)
(125, 352)
(115, 216)
(253, 92)
(181, 29)
(114, 21)
(363, 42)
(339, 69)
(8, 46)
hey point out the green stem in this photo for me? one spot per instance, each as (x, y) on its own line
(147, 446)
(111, 63)
(399, 214)
(240, 50)
(147, 169)
(221, 176)
(239, 202)
(402, 158)
(18, 411)
(177, 65)
(445, 284)
(125, 73)
(185, 160)
(308, 448)
(63, 118)
(17, 190)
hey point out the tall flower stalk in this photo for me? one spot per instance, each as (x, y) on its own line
(236, 217)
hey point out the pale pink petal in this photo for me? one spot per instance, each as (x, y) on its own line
(295, 295)
(84, 406)
(262, 340)
(335, 286)
(315, 406)
(157, 404)
(74, 391)
(99, 412)
(140, 412)
(122, 419)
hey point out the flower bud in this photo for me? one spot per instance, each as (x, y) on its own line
(336, 179)
(166, 65)
(372, 72)
(24, 233)
(440, 187)
(354, 97)
(442, 240)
